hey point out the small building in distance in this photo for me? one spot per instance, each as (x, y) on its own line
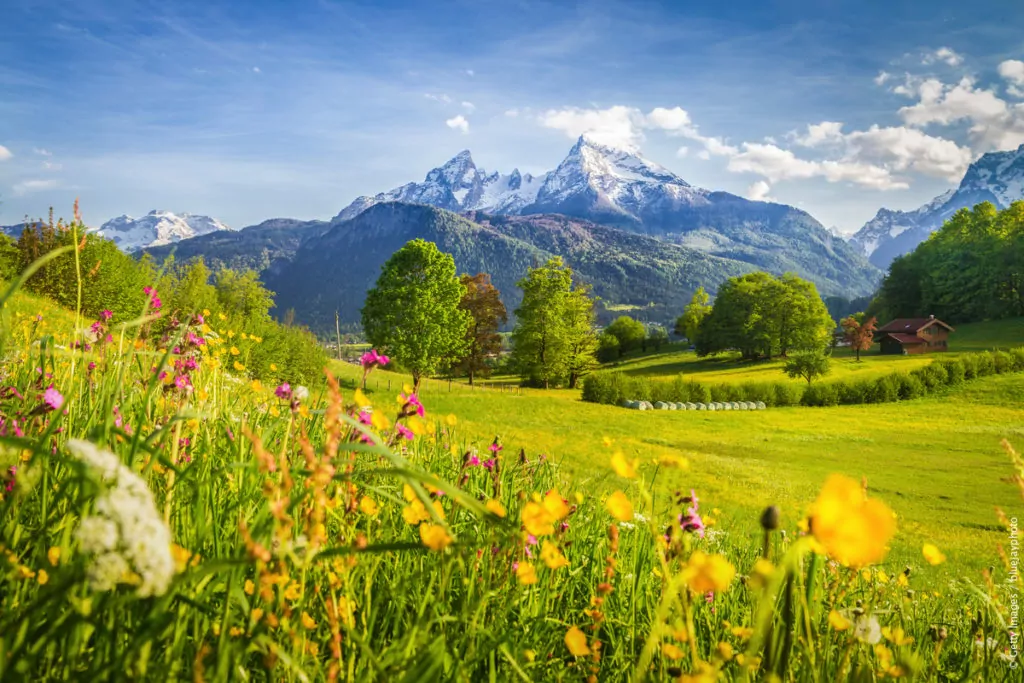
(913, 335)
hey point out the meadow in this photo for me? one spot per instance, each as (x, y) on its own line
(226, 528)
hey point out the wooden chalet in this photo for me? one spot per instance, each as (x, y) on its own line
(913, 335)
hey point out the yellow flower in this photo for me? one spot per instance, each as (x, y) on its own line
(249, 587)
(414, 513)
(379, 421)
(368, 506)
(434, 536)
(932, 554)
(243, 335)
(231, 334)
(42, 577)
(235, 351)
(360, 398)
(673, 462)
(624, 468)
(293, 592)
(552, 556)
(854, 530)
(451, 420)
(671, 651)
(53, 555)
(416, 425)
(526, 574)
(576, 641)
(239, 367)
(742, 632)
(308, 622)
(206, 312)
(724, 650)
(896, 636)
(273, 367)
(706, 573)
(495, 508)
(257, 385)
(838, 621)
(221, 316)
(539, 517)
(619, 507)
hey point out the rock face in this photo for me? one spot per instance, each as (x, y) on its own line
(157, 228)
(622, 189)
(996, 177)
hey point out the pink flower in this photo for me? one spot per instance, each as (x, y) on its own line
(106, 314)
(371, 359)
(473, 460)
(52, 398)
(404, 431)
(495, 448)
(365, 418)
(489, 464)
(283, 391)
(412, 401)
(531, 540)
(154, 299)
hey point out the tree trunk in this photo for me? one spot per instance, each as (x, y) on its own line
(857, 349)
(416, 382)
(471, 377)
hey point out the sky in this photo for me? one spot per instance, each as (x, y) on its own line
(265, 108)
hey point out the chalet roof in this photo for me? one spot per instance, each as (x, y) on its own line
(911, 325)
(906, 338)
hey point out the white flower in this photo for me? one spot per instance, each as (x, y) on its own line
(867, 630)
(125, 535)
(301, 393)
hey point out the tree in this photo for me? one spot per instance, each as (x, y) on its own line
(607, 347)
(413, 314)
(580, 338)
(860, 333)
(808, 365)
(630, 333)
(656, 336)
(483, 303)
(693, 315)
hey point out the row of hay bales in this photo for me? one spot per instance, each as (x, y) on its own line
(663, 405)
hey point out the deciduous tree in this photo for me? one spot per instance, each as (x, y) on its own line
(860, 333)
(630, 333)
(808, 365)
(693, 315)
(483, 303)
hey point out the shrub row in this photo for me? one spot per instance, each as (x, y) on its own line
(615, 387)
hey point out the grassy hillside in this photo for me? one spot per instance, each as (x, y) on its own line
(914, 454)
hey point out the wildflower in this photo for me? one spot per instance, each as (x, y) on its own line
(249, 587)
(623, 467)
(539, 517)
(404, 431)
(273, 367)
(495, 447)
(434, 536)
(619, 507)
(854, 530)
(239, 367)
(526, 573)
(53, 555)
(308, 622)
(52, 398)
(124, 535)
(704, 573)
(838, 621)
(896, 636)
(368, 506)
(671, 651)
(106, 315)
(411, 404)
(552, 556)
(495, 508)
(473, 460)
(235, 351)
(932, 554)
(301, 393)
(867, 630)
(371, 359)
(451, 420)
(283, 391)
(489, 464)
(154, 300)
(576, 641)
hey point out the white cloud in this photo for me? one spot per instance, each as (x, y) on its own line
(703, 155)
(826, 132)
(256, 70)
(458, 123)
(1013, 71)
(943, 54)
(682, 152)
(511, 113)
(470, 72)
(616, 126)
(675, 119)
(52, 166)
(469, 107)
(29, 186)
(43, 152)
(994, 124)
(5, 153)
(775, 164)
(438, 98)
(882, 77)
(758, 191)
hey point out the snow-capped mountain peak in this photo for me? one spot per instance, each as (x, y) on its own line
(156, 228)
(996, 177)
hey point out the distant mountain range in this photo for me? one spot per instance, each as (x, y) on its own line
(157, 228)
(996, 177)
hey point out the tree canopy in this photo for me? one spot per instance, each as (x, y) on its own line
(630, 333)
(413, 312)
(483, 303)
(693, 315)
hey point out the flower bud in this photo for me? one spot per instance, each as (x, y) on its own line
(770, 518)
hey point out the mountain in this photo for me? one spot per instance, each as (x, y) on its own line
(332, 270)
(620, 188)
(157, 228)
(996, 177)
(257, 247)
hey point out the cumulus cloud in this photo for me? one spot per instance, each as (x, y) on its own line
(994, 123)
(1012, 71)
(943, 54)
(822, 133)
(618, 126)
(28, 186)
(42, 152)
(438, 98)
(882, 77)
(5, 153)
(758, 191)
(458, 123)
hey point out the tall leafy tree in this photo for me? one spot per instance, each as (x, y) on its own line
(859, 332)
(413, 312)
(808, 365)
(630, 333)
(693, 315)
(483, 303)
(657, 335)
(580, 337)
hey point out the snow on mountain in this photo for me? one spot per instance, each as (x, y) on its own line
(459, 185)
(156, 228)
(996, 177)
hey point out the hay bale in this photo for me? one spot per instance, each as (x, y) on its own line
(691, 406)
(673, 406)
(661, 405)
(761, 405)
(701, 406)
(726, 406)
(744, 406)
(642, 405)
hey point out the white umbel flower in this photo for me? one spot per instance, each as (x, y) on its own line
(125, 534)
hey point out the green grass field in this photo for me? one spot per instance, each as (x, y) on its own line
(937, 461)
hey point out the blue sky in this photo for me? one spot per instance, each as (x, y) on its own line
(251, 110)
